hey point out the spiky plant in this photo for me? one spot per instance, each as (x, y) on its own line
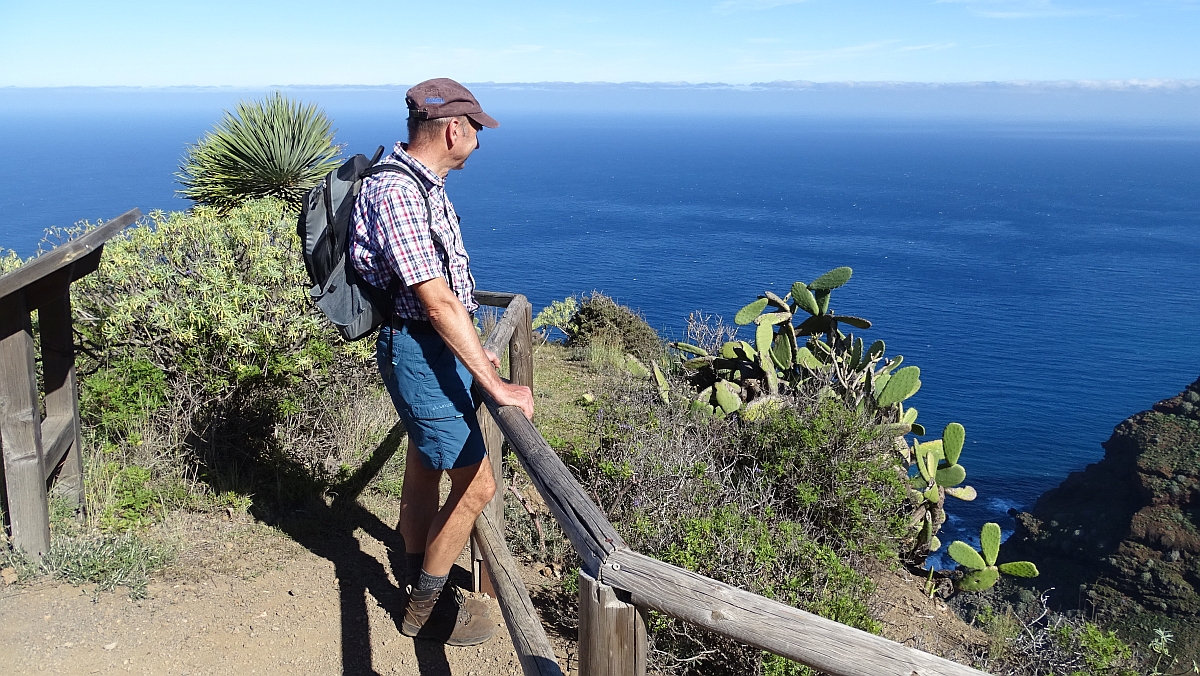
(275, 147)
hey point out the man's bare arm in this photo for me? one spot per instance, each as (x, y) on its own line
(453, 323)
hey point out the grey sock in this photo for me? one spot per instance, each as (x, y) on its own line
(412, 567)
(429, 582)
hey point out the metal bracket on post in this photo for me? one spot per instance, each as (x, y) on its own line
(612, 632)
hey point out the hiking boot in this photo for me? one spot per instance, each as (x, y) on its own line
(425, 618)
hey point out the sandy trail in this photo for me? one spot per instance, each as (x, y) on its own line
(313, 596)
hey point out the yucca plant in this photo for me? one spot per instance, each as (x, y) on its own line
(276, 147)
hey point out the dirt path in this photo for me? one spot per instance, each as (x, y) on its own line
(313, 596)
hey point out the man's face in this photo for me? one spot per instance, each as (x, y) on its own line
(466, 142)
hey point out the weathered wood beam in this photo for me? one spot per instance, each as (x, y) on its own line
(61, 438)
(64, 255)
(58, 435)
(533, 647)
(584, 524)
(809, 639)
(21, 430)
(508, 325)
(612, 632)
(494, 298)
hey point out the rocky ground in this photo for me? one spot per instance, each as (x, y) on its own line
(1121, 539)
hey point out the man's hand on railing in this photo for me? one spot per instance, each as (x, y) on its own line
(507, 394)
(493, 357)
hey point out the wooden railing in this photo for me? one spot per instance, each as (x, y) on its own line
(617, 585)
(37, 449)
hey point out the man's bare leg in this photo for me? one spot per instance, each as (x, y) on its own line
(470, 490)
(441, 533)
(418, 502)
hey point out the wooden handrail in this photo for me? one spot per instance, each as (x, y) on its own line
(533, 647)
(743, 616)
(51, 262)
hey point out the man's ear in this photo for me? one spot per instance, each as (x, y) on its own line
(453, 132)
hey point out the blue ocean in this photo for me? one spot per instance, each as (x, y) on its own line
(1043, 274)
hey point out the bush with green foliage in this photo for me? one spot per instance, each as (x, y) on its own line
(790, 507)
(201, 357)
(276, 147)
(601, 320)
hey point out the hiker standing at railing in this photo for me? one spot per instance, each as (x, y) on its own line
(406, 239)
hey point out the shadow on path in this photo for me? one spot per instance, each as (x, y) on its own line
(328, 532)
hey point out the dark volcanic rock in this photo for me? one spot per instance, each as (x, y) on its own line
(1121, 537)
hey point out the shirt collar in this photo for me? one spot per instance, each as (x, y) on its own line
(401, 153)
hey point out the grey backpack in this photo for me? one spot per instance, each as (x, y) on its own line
(354, 306)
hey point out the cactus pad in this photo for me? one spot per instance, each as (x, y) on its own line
(664, 388)
(804, 298)
(979, 580)
(1019, 569)
(934, 543)
(748, 313)
(727, 396)
(690, 349)
(952, 441)
(856, 322)
(951, 476)
(902, 385)
(772, 318)
(965, 555)
(778, 302)
(964, 493)
(832, 279)
(989, 539)
(637, 368)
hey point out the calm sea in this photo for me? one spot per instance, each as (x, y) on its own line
(1045, 277)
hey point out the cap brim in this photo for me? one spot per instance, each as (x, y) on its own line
(484, 119)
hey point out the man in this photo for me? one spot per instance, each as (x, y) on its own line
(429, 354)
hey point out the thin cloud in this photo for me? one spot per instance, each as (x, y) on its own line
(731, 6)
(938, 47)
(1025, 9)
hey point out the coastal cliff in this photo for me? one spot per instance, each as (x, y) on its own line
(1121, 538)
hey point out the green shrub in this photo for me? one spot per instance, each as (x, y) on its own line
(116, 401)
(204, 358)
(270, 148)
(108, 561)
(792, 507)
(601, 320)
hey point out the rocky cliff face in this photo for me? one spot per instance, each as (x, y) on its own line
(1122, 537)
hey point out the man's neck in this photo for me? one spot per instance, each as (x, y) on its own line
(432, 159)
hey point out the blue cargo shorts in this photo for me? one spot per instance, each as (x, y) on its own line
(431, 390)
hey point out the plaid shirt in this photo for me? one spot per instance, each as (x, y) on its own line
(390, 236)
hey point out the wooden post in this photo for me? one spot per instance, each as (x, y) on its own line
(21, 430)
(612, 633)
(520, 351)
(62, 400)
(494, 441)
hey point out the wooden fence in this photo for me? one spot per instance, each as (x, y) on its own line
(38, 449)
(617, 585)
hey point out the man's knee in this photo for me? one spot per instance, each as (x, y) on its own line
(480, 487)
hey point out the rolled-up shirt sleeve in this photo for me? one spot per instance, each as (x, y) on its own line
(406, 242)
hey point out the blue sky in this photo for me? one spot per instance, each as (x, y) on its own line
(249, 43)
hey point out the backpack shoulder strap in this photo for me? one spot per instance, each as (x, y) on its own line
(391, 167)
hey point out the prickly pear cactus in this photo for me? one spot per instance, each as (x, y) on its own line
(982, 570)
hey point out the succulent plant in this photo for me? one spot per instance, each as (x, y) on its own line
(983, 570)
(936, 478)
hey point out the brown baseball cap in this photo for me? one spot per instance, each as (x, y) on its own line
(443, 97)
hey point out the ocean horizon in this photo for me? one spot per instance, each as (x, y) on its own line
(1041, 272)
